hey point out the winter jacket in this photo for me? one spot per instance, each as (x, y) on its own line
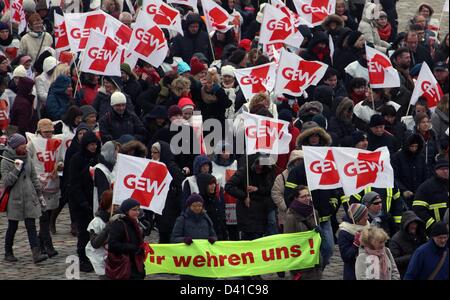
(431, 201)
(439, 120)
(190, 183)
(22, 113)
(213, 105)
(368, 28)
(422, 54)
(277, 192)
(185, 46)
(410, 169)
(303, 138)
(319, 37)
(424, 261)
(252, 219)
(23, 198)
(348, 250)
(118, 244)
(99, 233)
(386, 139)
(403, 244)
(133, 89)
(172, 210)
(81, 184)
(102, 103)
(192, 225)
(342, 129)
(363, 264)
(57, 100)
(430, 149)
(30, 44)
(114, 125)
(393, 203)
(42, 87)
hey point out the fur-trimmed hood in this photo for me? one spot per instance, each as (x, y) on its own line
(139, 149)
(332, 18)
(325, 138)
(343, 106)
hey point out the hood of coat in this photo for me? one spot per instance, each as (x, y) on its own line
(220, 147)
(190, 19)
(407, 218)
(414, 138)
(108, 154)
(325, 138)
(25, 86)
(318, 37)
(295, 155)
(330, 19)
(343, 106)
(60, 85)
(203, 180)
(90, 137)
(343, 34)
(199, 161)
(371, 12)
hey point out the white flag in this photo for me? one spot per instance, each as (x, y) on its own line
(276, 27)
(266, 135)
(79, 27)
(102, 55)
(359, 169)
(144, 180)
(427, 87)
(18, 14)
(61, 38)
(292, 15)
(313, 12)
(295, 74)
(163, 15)
(216, 17)
(191, 3)
(381, 72)
(320, 168)
(256, 79)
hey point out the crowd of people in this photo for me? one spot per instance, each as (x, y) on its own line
(385, 233)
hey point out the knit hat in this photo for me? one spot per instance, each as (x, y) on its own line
(320, 120)
(201, 56)
(29, 6)
(441, 163)
(118, 98)
(245, 44)
(353, 37)
(309, 125)
(382, 15)
(356, 211)
(16, 140)
(45, 125)
(87, 110)
(419, 117)
(440, 66)
(193, 198)
(127, 69)
(358, 136)
(186, 103)
(183, 67)
(82, 126)
(4, 26)
(173, 111)
(125, 138)
(49, 64)
(128, 204)
(41, 4)
(196, 66)
(285, 115)
(439, 228)
(228, 70)
(370, 198)
(376, 120)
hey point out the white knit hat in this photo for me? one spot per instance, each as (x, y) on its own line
(29, 6)
(49, 64)
(260, 14)
(118, 98)
(20, 71)
(227, 70)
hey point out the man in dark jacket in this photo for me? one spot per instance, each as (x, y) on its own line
(409, 166)
(194, 40)
(81, 192)
(410, 236)
(379, 137)
(131, 86)
(377, 216)
(419, 53)
(401, 59)
(431, 199)
(22, 114)
(341, 126)
(120, 121)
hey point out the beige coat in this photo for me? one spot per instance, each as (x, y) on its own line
(30, 44)
(368, 28)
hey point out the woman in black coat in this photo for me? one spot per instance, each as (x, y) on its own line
(341, 125)
(125, 237)
(81, 192)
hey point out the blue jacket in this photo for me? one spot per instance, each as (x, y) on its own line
(193, 226)
(425, 260)
(349, 253)
(57, 99)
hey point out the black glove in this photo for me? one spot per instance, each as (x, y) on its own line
(318, 230)
(212, 240)
(188, 240)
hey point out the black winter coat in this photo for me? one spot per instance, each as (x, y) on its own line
(119, 244)
(403, 244)
(386, 139)
(192, 225)
(216, 109)
(342, 132)
(113, 126)
(102, 104)
(133, 89)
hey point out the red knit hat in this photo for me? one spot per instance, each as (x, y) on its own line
(245, 44)
(185, 103)
(196, 66)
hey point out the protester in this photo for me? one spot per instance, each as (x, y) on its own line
(377, 216)
(23, 114)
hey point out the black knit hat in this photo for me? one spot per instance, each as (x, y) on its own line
(376, 120)
(193, 198)
(358, 136)
(440, 228)
(353, 37)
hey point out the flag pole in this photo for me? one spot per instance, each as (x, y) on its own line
(212, 48)
(6, 158)
(314, 210)
(77, 70)
(407, 111)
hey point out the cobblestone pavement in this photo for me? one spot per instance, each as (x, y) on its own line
(55, 268)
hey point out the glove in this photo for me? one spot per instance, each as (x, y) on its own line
(212, 240)
(42, 201)
(188, 240)
(18, 164)
(357, 240)
(318, 230)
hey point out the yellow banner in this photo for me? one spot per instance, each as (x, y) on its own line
(275, 253)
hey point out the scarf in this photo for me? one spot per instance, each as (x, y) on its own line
(357, 97)
(304, 210)
(321, 53)
(426, 136)
(381, 254)
(352, 228)
(385, 33)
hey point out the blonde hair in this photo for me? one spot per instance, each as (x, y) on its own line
(373, 234)
(60, 69)
(180, 85)
(212, 75)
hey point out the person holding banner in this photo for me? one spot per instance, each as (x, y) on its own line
(126, 238)
(349, 237)
(299, 218)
